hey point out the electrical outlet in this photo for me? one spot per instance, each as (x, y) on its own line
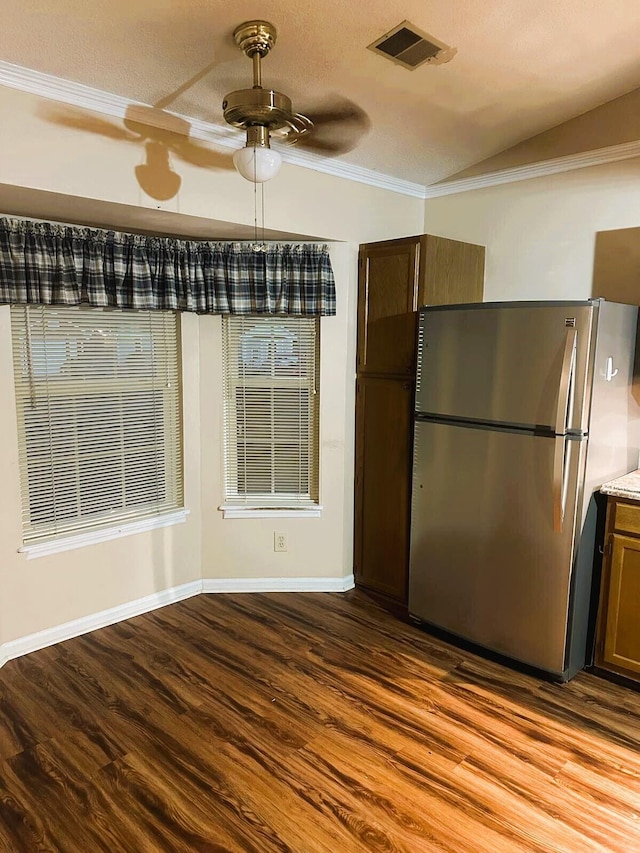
(279, 542)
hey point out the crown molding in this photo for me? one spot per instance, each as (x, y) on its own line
(597, 157)
(106, 103)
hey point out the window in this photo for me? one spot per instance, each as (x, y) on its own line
(271, 412)
(99, 425)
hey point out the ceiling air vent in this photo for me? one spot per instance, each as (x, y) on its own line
(408, 46)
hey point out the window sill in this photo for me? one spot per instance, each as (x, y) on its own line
(234, 511)
(79, 540)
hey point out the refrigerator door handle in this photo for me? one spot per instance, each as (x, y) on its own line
(559, 485)
(566, 385)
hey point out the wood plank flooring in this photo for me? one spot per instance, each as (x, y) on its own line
(306, 723)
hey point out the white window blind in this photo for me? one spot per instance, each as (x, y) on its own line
(271, 413)
(99, 417)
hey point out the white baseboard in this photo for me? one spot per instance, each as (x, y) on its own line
(278, 584)
(68, 630)
(60, 633)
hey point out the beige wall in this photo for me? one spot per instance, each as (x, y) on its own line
(36, 153)
(316, 547)
(42, 593)
(540, 234)
(46, 591)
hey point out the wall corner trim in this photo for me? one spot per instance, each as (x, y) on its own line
(67, 630)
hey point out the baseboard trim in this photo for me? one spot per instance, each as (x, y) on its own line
(58, 634)
(77, 627)
(212, 585)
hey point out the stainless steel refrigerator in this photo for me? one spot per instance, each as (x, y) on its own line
(522, 411)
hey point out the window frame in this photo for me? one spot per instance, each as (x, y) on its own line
(239, 504)
(86, 527)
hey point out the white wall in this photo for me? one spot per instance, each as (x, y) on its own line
(42, 593)
(540, 233)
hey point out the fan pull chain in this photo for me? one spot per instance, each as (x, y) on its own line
(255, 201)
(259, 245)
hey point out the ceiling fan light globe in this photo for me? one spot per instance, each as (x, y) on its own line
(256, 163)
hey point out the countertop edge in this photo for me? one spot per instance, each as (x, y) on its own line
(627, 486)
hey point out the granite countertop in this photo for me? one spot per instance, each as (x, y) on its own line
(624, 487)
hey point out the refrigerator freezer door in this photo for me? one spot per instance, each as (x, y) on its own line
(486, 563)
(505, 365)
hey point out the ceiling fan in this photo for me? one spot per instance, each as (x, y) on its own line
(265, 112)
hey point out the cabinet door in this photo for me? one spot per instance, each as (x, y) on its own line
(387, 301)
(451, 272)
(383, 470)
(622, 634)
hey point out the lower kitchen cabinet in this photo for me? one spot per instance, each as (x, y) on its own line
(618, 645)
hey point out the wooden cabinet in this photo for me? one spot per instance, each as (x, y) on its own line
(383, 448)
(388, 299)
(396, 277)
(618, 645)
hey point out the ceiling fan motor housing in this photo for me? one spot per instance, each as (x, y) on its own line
(247, 107)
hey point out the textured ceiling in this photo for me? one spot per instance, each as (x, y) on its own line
(522, 66)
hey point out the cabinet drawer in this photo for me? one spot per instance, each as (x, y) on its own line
(627, 517)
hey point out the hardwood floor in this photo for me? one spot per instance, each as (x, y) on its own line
(306, 723)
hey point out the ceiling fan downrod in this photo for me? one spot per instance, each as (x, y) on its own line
(255, 39)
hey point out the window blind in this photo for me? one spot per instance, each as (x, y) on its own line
(99, 417)
(271, 415)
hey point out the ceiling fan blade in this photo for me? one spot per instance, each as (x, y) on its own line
(347, 112)
(84, 120)
(199, 155)
(337, 128)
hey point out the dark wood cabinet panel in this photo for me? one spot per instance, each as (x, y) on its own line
(383, 453)
(396, 277)
(387, 302)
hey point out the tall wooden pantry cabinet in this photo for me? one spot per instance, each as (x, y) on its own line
(396, 277)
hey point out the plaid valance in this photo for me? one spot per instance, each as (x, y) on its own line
(42, 263)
